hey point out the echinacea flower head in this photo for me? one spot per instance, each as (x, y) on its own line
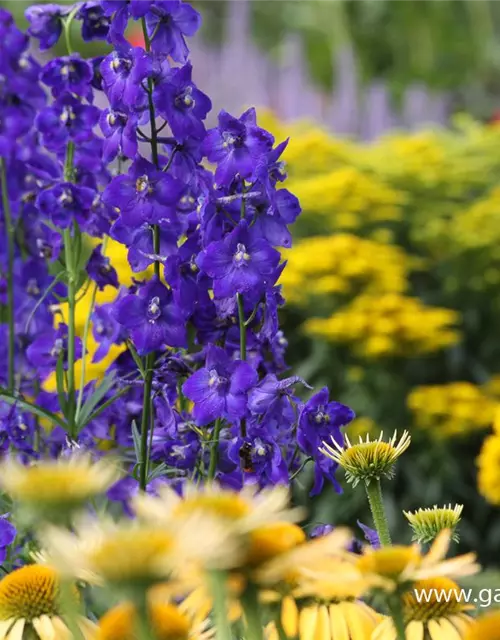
(248, 518)
(369, 459)
(350, 619)
(131, 555)
(388, 568)
(437, 612)
(168, 622)
(30, 606)
(428, 523)
(486, 627)
(51, 487)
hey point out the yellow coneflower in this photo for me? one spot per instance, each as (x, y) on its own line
(486, 627)
(428, 523)
(129, 554)
(168, 622)
(431, 609)
(367, 460)
(390, 567)
(30, 606)
(258, 525)
(49, 487)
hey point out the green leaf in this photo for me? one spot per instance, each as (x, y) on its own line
(105, 405)
(32, 408)
(136, 437)
(93, 400)
(61, 389)
(161, 470)
(137, 358)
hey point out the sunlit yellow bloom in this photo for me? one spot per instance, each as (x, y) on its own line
(30, 606)
(369, 459)
(168, 622)
(488, 463)
(346, 619)
(428, 523)
(131, 554)
(245, 516)
(389, 567)
(60, 484)
(440, 614)
(486, 627)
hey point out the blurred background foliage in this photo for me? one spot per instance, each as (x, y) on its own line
(393, 301)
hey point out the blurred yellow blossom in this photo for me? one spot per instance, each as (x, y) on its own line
(388, 325)
(451, 409)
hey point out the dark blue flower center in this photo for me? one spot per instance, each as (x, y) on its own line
(142, 185)
(66, 198)
(241, 257)
(67, 115)
(121, 65)
(231, 140)
(154, 310)
(321, 417)
(32, 287)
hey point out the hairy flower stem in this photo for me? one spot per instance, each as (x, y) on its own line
(396, 611)
(71, 276)
(220, 601)
(243, 345)
(374, 493)
(214, 451)
(9, 228)
(146, 417)
(278, 621)
(252, 610)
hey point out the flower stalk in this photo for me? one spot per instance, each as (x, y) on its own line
(252, 610)
(10, 231)
(375, 498)
(219, 593)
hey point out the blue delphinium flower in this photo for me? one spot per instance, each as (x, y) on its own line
(236, 145)
(241, 263)
(120, 131)
(8, 534)
(168, 21)
(46, 22)
(143, 195)
(182, 104)
(106, 330)
(152, 317)
(50, 347)
(95, 22)
(72, 74)
(122, 73)
(219, 389)
(64, 203)
(100, 270)
(64, 120)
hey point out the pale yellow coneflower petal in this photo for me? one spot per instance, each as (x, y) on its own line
(338, 624)
(16, 633)
(307, 623)
(415, 630)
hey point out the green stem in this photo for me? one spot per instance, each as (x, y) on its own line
(214, 451)
(374, 493)
(9, 227)
(396, 611)
(250, 602)
(85, 339)
(67, 29)
(220, 600)
(71, 284)
(146, 415)
(243, 345)
(278, 621)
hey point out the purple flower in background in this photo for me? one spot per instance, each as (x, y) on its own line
(46, 350)
(71, 73)
(95, 23)
(241, 263)
(184, 106)
(15, 121)
(7, 535)
(139, 241)
(260, 460)
(64, 203)
(122, 73)
(120, 131)
(100, 270)
(144, 194)
(219, 389)
(371, 536)
(320, 420)
(236, 145)
(152, 317)
(269, 394)
(106, 330)
(168, 21)
(46, 22)
(321, 530)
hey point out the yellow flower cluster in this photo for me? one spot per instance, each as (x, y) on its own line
(452, 409)
(388, 325)
(343, 264)
(348, 198)
(488, 463)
